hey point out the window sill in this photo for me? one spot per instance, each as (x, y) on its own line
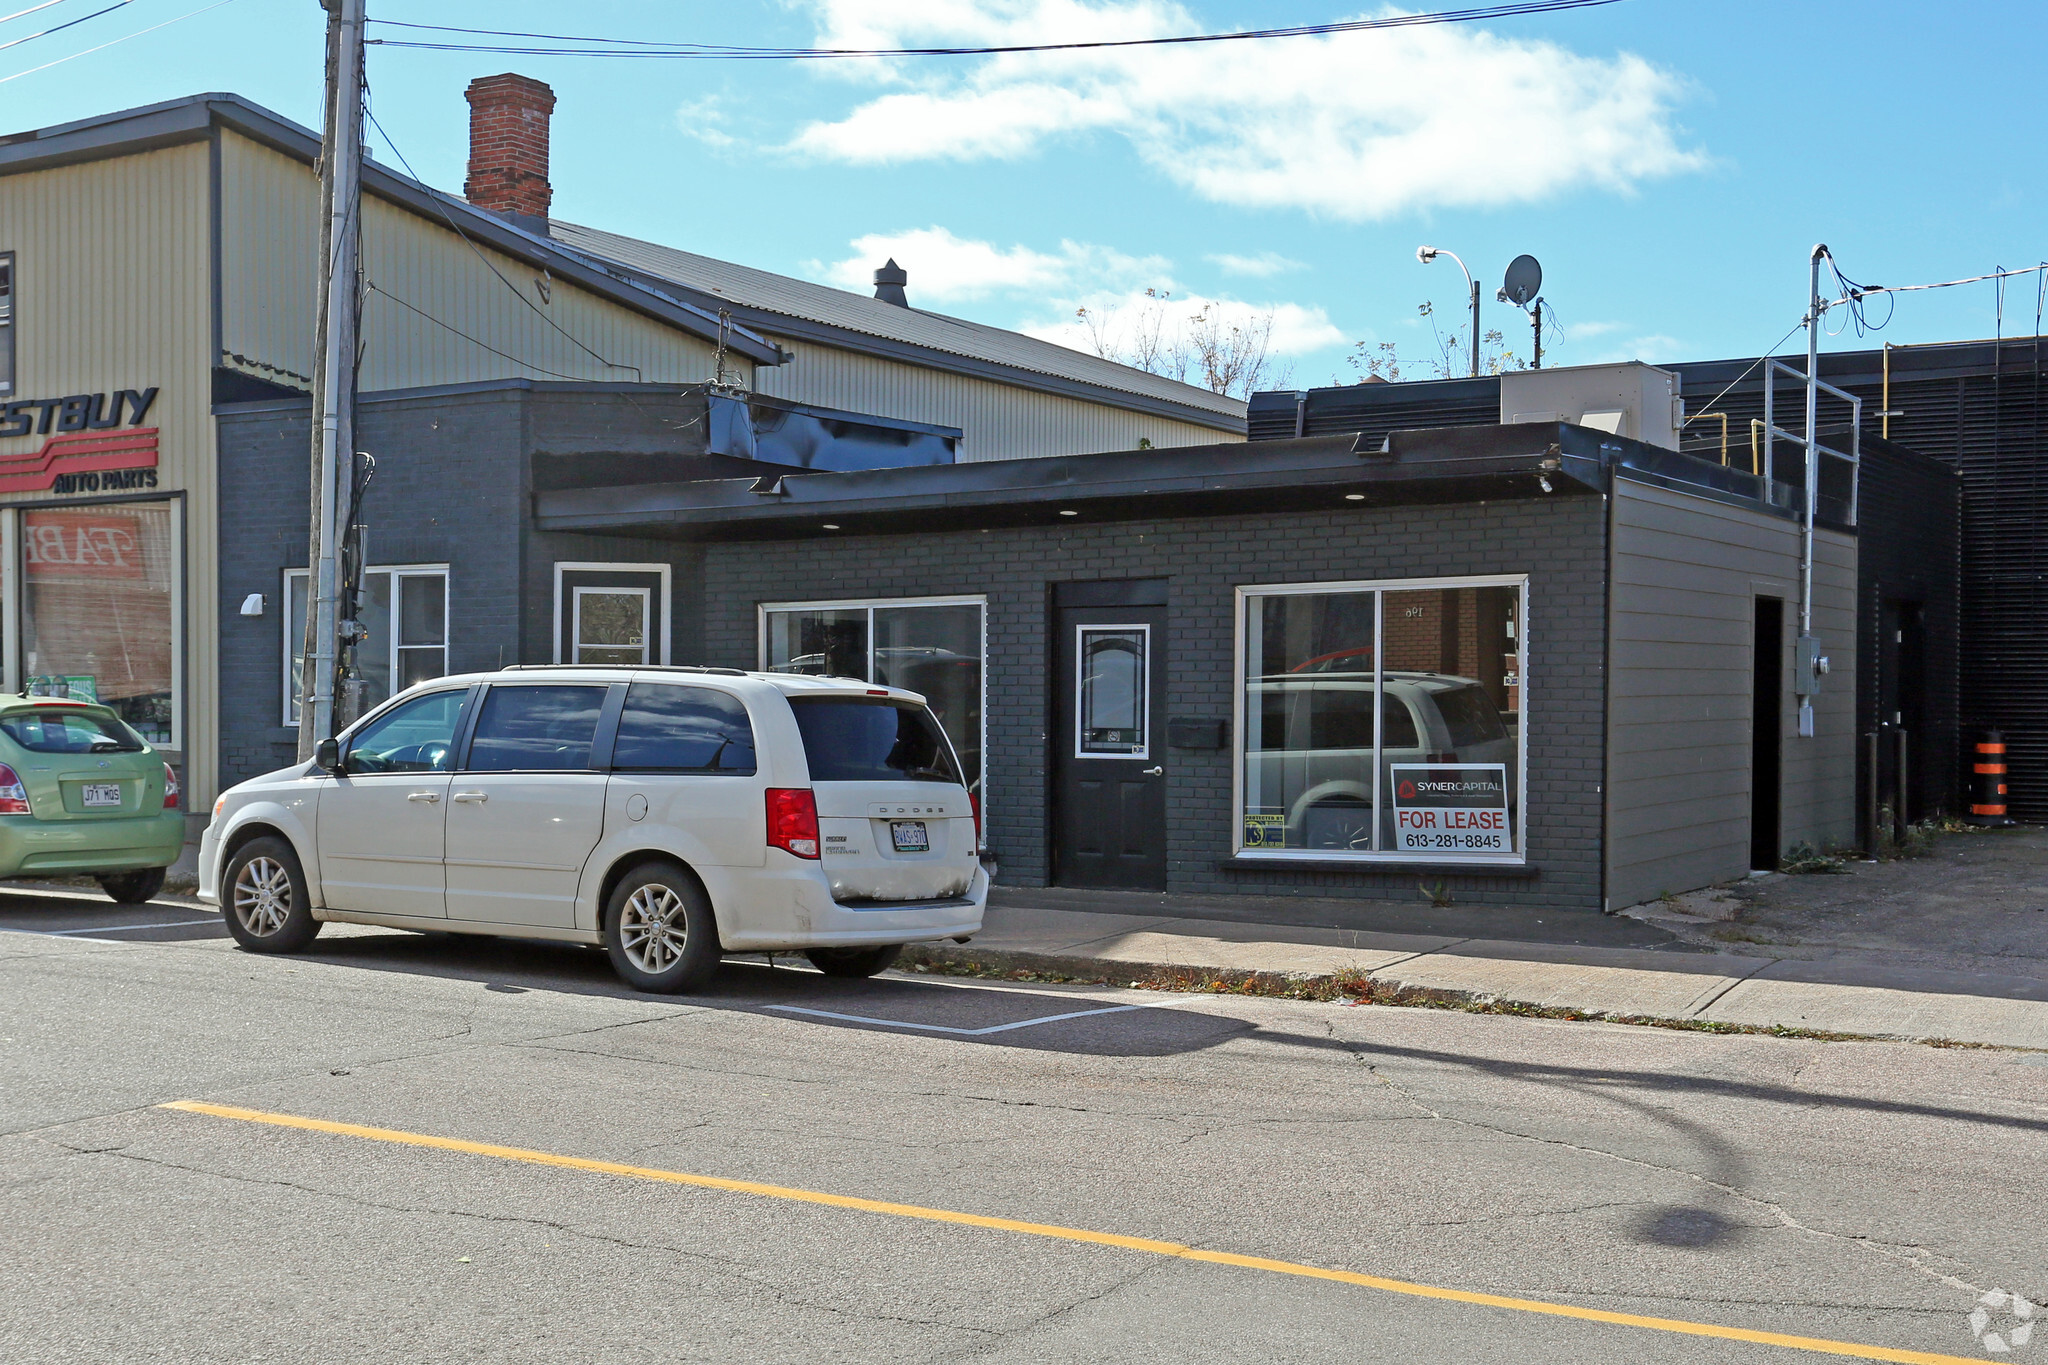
(1381, 867)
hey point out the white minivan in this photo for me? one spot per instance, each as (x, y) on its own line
(667, 814)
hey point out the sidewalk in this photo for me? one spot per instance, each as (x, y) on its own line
(1639, 970)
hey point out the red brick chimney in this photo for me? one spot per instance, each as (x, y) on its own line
(508, 148)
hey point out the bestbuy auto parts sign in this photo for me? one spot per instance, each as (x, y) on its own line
(1451, 808)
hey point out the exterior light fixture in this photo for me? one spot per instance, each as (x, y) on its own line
(831, 525)
(1068, 512)
(1354, 497)
(1426, 254)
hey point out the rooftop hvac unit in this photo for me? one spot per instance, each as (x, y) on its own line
(1631, 399)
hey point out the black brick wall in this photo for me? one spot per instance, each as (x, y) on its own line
(1560, 542)
(455, 471)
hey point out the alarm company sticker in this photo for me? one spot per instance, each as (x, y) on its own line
(1451, 808)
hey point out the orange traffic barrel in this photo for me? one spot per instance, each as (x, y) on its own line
(1987, 785)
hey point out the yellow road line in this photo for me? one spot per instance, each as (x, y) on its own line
(1109, 1239)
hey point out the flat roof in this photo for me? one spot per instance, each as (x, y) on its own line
(1328, 473)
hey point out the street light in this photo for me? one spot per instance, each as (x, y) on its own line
(1426, 254)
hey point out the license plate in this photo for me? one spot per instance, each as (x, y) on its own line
(909, 836)
(102, 794)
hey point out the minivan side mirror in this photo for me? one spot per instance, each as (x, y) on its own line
(327, 756)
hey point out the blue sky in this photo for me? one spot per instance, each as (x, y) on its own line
(1670, 163)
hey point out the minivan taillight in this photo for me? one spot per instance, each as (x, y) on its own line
(13, 796)
(974, 804)
(171, 788)
(793, 820)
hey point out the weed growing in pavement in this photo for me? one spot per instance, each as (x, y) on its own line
(1803, 858)
(1438, 894)
(1356, 987)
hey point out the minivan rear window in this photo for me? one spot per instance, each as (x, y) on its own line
(70, 732)
(671, 729)
(861, 739)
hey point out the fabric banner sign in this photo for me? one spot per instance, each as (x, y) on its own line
(1451, 808)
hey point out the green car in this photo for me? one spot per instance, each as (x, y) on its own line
(80, 792)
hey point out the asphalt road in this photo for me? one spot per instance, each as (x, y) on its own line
(1861, 1193)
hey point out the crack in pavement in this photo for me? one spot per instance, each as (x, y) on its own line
(1904, 1254)
(736, 1269)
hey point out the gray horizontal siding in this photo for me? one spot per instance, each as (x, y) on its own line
(1686, 572)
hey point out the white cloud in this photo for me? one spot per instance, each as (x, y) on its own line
(1264, 264)
(705, 121)
(1122, 294)
(1297, 329)
(1357, 126)
(946, 269)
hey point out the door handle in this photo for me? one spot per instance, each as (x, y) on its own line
(423, 796)
(472, 796)
(1159, 771)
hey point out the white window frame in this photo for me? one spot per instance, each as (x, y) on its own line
(576, 566)
(397, 571)
(576, 640)
(1143, 753)
(1245, 594)
(869, 605)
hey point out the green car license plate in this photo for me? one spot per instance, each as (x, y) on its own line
(100, 795)
(909, 836)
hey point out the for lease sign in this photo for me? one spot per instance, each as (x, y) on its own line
(1451, 808)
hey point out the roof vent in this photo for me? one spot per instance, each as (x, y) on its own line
(889, 282)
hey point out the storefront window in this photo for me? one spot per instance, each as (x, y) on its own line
(390, 659)
(98, 610)
(933, 647)
(1382, 721)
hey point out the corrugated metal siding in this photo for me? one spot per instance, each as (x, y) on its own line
(1686, 571)
(112, 270)
(434, 313)
(1000, 422)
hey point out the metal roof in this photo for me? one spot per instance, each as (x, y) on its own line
(127, 131)
(801, 310)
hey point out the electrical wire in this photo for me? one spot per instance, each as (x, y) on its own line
(189, 14)
(489, 264)
(645, 48)
(20, 13)
(372, 287)
(59, 28)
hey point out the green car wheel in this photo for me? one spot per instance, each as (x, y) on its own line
(133, 888)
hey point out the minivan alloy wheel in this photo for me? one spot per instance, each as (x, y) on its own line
(262, 896)
(653, 928)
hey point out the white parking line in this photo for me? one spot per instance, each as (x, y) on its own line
(109, 928)
(959, 1032)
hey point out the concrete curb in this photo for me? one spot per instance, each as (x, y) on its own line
(1729, 994)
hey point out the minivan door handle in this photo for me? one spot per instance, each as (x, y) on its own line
(1149, 772)
(423, 796)
(472, 796)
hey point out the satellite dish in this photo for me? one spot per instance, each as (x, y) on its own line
(1525, 278)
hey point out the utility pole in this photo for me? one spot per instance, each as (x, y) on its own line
(1814, 308)
(334, 369)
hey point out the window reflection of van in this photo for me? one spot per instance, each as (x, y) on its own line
(1308, 752)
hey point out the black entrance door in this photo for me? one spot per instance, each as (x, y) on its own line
(1767, 720)
(1108, 739)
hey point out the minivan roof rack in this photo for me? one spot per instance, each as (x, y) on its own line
(645, 668)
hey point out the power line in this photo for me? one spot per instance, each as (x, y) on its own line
(59, 28)
(645, 48)
(489, 264)
(10, 18)
(189, 14)
(372, 286)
